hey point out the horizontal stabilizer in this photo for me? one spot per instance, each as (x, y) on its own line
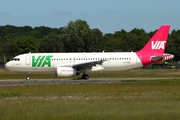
(163, 57)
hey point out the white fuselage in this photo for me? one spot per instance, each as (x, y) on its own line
(50, 61)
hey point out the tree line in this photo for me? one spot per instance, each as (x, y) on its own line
(77, 36)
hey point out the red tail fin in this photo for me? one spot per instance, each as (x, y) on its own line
(158, 42)
(155, 47)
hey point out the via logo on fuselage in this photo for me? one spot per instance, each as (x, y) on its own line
(41, 61)
(158, 45)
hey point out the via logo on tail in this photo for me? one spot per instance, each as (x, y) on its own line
(158, 45)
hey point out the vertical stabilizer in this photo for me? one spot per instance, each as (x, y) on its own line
(158, 42)
(153, 51)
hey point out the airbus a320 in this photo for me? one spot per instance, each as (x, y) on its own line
(70, 64)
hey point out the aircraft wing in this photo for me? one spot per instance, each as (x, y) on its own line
(87, 65)
(164, 57)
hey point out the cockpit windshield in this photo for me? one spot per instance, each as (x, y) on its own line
(15, 59)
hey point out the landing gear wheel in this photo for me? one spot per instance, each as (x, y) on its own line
(85, 76)
(28, 76)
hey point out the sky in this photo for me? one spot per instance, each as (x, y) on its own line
(106, 15)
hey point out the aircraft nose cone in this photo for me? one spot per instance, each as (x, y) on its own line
(8, 65)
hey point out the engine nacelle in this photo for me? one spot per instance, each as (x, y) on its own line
(65, 71)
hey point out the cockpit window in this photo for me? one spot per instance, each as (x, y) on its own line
(16, 59)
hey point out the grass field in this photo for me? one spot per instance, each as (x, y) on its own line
(138, 73)
(141, 100)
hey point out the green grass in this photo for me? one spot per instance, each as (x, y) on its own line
(137, 99)
(137, 73)
(142, 100)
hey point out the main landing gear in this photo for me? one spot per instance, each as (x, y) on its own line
(85, 76)
(28, 76)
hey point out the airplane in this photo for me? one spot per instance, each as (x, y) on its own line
(71, 64)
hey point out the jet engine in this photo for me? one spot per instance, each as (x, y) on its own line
(65, 71)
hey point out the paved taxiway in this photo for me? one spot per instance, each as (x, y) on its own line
(78, 81)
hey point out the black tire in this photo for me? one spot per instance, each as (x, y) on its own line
(85, 76)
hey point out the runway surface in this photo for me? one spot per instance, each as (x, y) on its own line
(78, 81)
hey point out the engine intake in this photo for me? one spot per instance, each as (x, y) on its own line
(65, 71)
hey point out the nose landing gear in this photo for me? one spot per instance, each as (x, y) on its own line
(28, 76)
